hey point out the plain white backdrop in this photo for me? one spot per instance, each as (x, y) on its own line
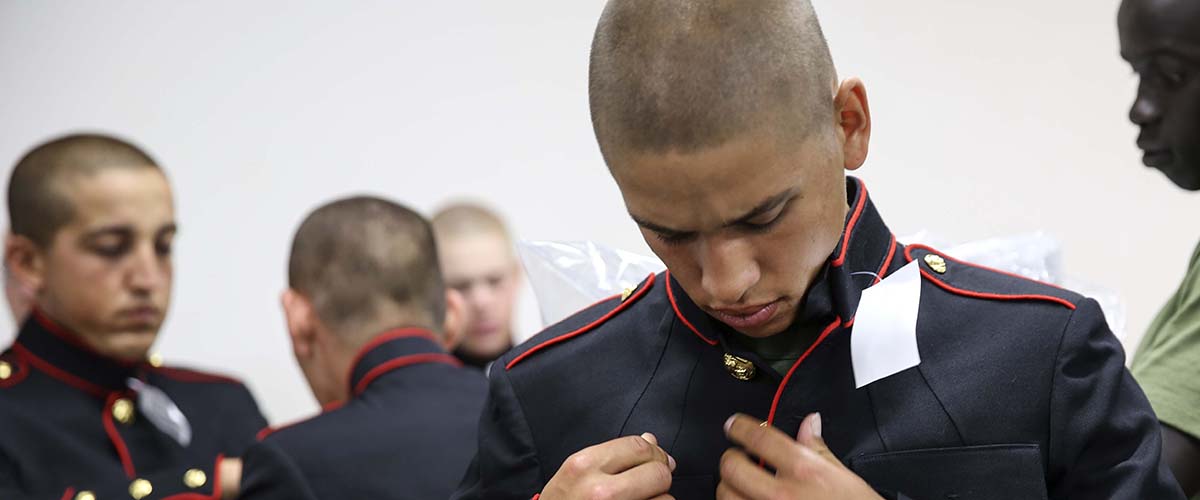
(991, 118)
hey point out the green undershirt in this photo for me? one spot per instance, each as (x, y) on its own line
(780, 351)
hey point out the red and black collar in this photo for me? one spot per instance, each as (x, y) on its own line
(53, 349)
(864, 255)
(392, 350)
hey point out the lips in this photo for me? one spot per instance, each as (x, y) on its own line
(142, 315)
(747, 317)
(1154, 154)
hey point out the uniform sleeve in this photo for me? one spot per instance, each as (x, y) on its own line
(1104, 439)
(268, 473)
(506, 464)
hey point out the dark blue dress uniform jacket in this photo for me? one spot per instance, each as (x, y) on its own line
(1021, 392)
(408, 432)
(70, 427)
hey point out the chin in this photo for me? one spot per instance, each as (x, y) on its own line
(1184, 177)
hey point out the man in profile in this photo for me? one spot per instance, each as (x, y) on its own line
(85, 413)
(479, 261)
(370, 322)
(794, 349)
(1161, 40)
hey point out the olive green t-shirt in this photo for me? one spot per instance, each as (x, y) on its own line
(1167, 363)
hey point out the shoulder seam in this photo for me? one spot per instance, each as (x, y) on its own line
(984, 295)
(647, 285)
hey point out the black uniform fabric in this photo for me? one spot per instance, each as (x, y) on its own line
(1021, 391)
(408, 432)
(62, 439)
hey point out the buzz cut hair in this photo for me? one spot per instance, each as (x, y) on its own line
(38, 204)
(467, 218)
(365, 260)
(685, 75)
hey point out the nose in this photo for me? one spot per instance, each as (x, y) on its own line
(728, 270)
(148, 270)
(1146, 108)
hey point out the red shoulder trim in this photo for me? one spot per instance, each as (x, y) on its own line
(649, 283)
(70, 493)
(858, 210)
(186, 375)
(984, 295)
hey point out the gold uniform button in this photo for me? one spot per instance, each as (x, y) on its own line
(740, 368)
(155, 360)
(626, 293)
(85, 495)
(936, 262)
(5, 370)
(122, 410)
(194, 478)
(140, 488)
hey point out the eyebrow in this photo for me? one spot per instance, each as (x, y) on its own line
(126, 229)
(762, 208)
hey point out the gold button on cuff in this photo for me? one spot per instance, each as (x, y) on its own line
(5, 370)
(740, 368)
(194, 478)
(936, 262)
(85, 495)
(140, 488)
(155, 360)
(122, 410)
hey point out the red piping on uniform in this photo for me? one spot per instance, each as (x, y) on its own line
(21, 370)
(563, 338)
(972, 264)
(887, 262)
(71, 338)
(682, 319)
(115, 437)
(385, 337)
(536, 496)
(858, 209)
(779, 392)
(194, 376)
(983, 295)
(401, 362)
(58, 373)
(68, 494)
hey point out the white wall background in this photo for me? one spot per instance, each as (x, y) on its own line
(991, 118)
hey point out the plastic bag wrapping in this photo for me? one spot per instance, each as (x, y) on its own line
(569, 276)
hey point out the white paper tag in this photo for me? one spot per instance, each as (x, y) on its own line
(884, 340)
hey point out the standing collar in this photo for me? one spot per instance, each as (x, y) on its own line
(52, 348)
(392, 350)
(862, 257)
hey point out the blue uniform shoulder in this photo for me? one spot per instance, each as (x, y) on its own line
(615, 312)
(971, 280)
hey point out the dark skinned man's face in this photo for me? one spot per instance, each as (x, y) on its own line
(1161, 40)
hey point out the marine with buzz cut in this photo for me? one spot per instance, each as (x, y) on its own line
(87, 413)
(794, 348)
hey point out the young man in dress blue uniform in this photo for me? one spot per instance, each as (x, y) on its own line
(371, 322)
(86, 414)
(794, 348)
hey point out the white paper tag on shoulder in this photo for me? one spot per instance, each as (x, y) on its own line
(884, 340)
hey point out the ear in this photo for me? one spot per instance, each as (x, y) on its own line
(455, 325)
(853, 115)
(24, 265)
(299, 314)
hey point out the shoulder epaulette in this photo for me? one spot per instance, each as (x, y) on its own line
(590, 317)
(972, 280)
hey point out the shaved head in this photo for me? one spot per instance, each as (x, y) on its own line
(466, 219)
(364, 261)
(37, 204)
(682, 75)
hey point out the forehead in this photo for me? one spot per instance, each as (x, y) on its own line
(1148, 26)
(713, 186)
(475, 255)
(130, 196)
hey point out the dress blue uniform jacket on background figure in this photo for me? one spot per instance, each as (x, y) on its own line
(1021, 391)
(408, 431)
(70, 427)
